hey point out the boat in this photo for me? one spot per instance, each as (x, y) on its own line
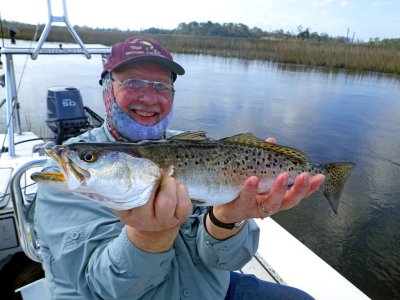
(281, 258)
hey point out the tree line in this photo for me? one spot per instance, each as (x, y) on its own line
(238, 40)
(228, 30)
(239, 30)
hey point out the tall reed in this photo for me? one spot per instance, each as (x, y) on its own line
(325, 54)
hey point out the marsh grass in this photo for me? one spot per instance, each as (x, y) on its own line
(326, 54)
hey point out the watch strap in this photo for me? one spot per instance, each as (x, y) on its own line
(220, 224)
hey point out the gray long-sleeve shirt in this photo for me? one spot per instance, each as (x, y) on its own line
(87, 254)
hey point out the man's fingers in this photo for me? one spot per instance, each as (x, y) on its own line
(165, 202)
(315, 183)
(298, 191)
(273, 200)
(184, 204)
(250, 187)
(271, 140)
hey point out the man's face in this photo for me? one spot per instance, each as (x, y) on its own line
(146, 107)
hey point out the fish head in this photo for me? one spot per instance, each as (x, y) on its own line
(113, 177)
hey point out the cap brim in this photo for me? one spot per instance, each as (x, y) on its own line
(169, 64)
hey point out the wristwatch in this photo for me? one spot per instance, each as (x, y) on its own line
(220, 224)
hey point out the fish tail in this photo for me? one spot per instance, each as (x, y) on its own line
(336, 175)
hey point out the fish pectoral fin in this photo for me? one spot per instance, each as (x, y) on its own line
(250, 140)
(190, 136)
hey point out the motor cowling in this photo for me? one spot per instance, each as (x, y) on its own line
(65, 111)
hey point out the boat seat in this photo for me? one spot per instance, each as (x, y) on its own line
(24, 206)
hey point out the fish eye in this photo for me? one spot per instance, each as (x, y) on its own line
(89, 157)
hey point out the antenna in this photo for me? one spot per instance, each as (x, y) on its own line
(62, 19)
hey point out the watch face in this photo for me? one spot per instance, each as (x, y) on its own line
(238, 224)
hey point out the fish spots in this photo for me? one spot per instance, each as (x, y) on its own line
(231, 163)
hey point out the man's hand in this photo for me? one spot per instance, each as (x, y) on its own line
(154, 226)
(250, 204)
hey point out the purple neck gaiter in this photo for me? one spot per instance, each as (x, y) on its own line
(121, 126)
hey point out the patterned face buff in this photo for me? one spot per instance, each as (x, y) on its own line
(121, 126)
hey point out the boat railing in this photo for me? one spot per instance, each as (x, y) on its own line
(13, 123)
(24, 210)
(62, 19)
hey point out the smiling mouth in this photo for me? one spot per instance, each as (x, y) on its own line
(144, 114)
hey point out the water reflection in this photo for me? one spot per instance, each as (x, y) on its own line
(330, 116)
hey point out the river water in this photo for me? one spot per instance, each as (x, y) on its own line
(330, 116)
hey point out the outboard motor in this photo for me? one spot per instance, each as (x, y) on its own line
(65, 112)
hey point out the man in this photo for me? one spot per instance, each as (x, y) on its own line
(167, 248)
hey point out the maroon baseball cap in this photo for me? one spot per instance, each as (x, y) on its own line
(140, 49)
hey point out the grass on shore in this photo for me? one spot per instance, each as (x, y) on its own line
(327, 55)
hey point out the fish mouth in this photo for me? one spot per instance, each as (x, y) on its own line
(71, 173)
(48, 176)
(56, 156)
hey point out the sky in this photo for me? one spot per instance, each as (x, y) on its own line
(364, 19)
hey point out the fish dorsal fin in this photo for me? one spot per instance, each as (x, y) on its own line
(190, 136)
(248, 139)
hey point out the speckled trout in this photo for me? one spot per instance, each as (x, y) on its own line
(125, 175)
